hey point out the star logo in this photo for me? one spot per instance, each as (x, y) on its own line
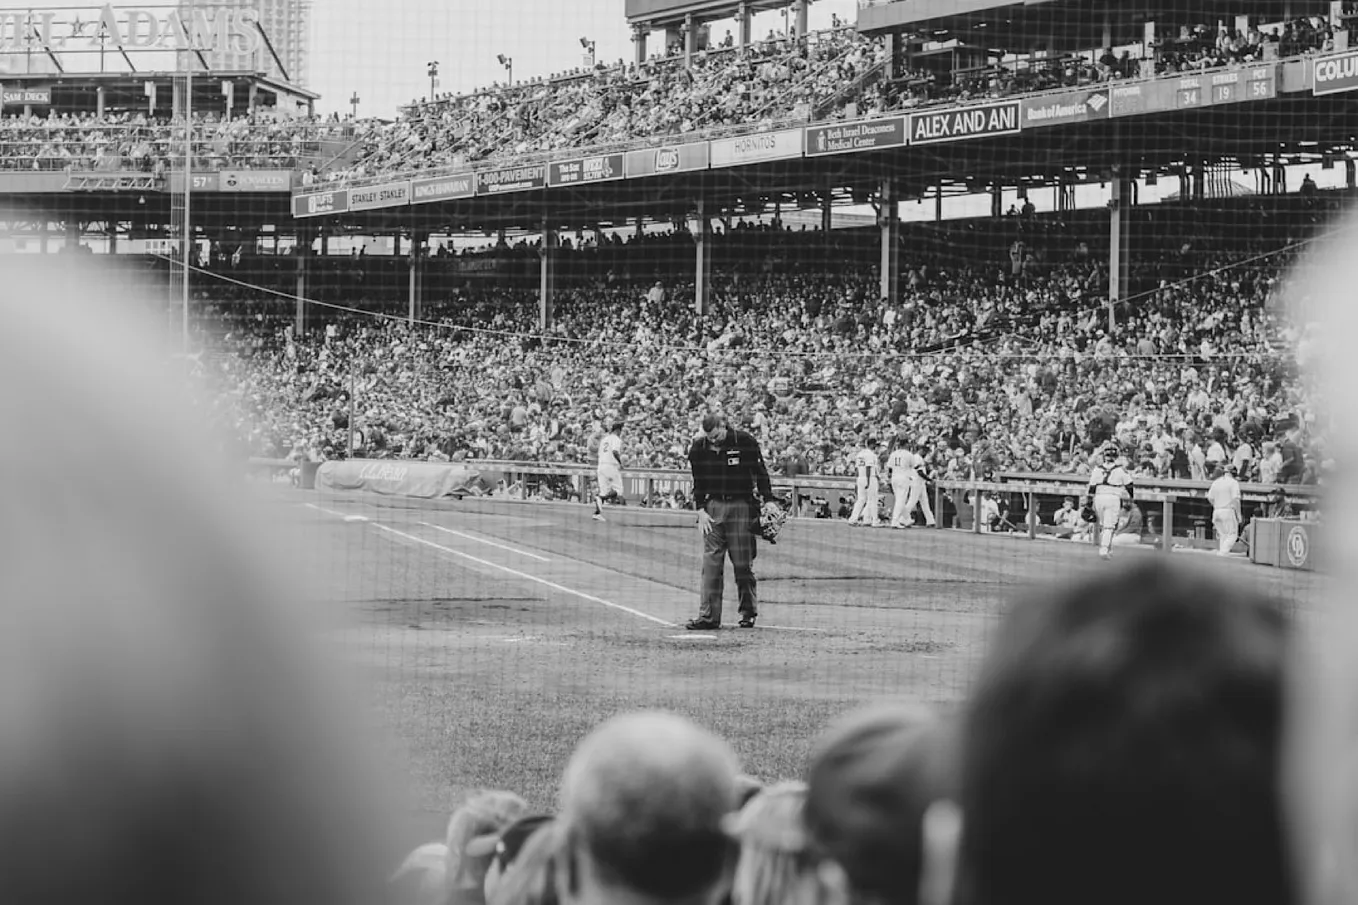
(78, 27)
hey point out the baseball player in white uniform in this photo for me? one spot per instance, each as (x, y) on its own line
(1109, 484)
(1224, 495)
(610, 469)
(907, 486)
(868, 465)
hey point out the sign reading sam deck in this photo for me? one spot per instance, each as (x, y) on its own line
(964, 122)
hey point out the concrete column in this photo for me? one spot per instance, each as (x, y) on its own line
(1119, 263)
(72, 235)
(997, 201)
(547, 275)
(743, 25)
(702, 272)
(45, 236)
(690, 39)
(99, 101)
(1350, 173)
(938, 203)
(113, 237)
(889, 218)
(414, 300)
(304, 238)
(641, 227)
(802, 6)
(638, 44)
(325, 243)
(827, 212)
(396, 244)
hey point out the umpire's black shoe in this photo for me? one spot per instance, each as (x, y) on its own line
(702, 625)
(747, 621)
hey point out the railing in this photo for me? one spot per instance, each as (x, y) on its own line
(1167, 505)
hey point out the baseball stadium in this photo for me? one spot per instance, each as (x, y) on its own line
(980, 336)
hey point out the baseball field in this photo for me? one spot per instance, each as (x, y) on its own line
(497, 633)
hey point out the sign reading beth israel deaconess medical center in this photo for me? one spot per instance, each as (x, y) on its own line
(74, 29)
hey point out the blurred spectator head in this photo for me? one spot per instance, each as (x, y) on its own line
(483, 814)
(873, 776)
(643, 800)
(1131, 722)
(169, 733)
(503, 847)
(776, 864)
(530, 879)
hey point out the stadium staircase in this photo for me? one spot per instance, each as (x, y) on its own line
(340, 153)
(846, 95)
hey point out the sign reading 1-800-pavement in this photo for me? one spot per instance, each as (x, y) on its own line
(980, 121)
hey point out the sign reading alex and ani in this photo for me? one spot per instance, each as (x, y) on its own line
(581, 171)
(84, 29)
(442, 188)
(869, 135)
(372, 197)
(511, 179)
(659, 161)
(733, 152)
(964, 122)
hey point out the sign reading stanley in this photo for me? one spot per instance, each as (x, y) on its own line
(964, 122)
(1336, 73)
(370, 197)
(86, 29)
(320, 204)
(586, 170)
(732, 152)
(511, 179)
(1045, 110)
(870, 135)
(442, 188)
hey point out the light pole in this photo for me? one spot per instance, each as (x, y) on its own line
(508, 64)
(589, 45)
(354, 102)
(433, 78)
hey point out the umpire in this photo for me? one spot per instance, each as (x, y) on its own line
(728, 469)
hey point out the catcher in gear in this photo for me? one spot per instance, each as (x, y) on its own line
(1109, 484)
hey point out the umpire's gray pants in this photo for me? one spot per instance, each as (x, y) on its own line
(732, 521)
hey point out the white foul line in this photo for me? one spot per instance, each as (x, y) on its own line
(337, 514)
(524, 575)
(482, 540)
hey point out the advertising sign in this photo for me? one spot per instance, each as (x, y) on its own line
(255, 180)
(733, 152)
(371, 197)
(1336, 73)
(583, 171)
(511, 179)
(21, 97)
(320, 204)
(92, 28)
(658, 161)
(867, 135)
(442, 188)
(1073, 107)
(964, 122)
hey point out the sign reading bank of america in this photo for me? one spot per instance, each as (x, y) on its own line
(1336, 73)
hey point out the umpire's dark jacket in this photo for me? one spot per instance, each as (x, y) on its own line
(732, 469)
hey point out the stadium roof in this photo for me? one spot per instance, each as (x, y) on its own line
(1025, 24)
(671, 13)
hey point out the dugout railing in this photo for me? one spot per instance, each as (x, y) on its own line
(1176, 513)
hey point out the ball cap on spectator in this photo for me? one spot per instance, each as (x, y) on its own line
(873, 776)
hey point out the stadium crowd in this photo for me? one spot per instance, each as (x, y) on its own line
(983, 366)
(826, 75)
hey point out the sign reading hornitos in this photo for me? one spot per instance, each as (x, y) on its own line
(84, 29)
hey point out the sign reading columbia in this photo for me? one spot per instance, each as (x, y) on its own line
(77, 29)
(1336, 73)
(511, 179)
(964, 122)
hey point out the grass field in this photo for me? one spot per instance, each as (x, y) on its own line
(498, 633)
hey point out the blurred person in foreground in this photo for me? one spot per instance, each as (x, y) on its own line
(776, 864)
(643, 801)
(873, 778)
(1123, 746)
(530, 878)
(501, 849)
(169, 735)
(454, 871)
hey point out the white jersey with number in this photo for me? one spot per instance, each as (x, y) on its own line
(868, 465)
(610, 451)
(903, 465)
(1110, 481)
